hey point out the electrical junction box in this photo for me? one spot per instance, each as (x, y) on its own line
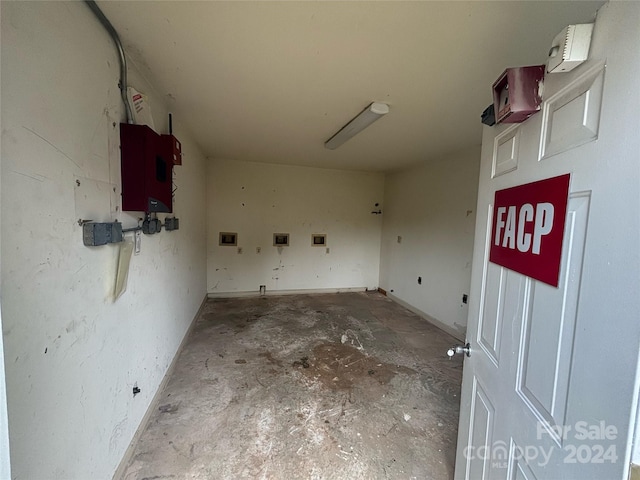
(147, 161)
(570, 48)
(95, 234)
(171, 224)
(517, 93)
(151, 226)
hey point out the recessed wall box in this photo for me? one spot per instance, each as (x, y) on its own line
(228, 238)
(517, 93)
(570, 48)
(147, 170)
(280, 239)
(318, 239)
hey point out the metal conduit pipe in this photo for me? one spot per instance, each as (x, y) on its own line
(123, 61)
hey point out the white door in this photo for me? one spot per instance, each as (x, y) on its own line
(549, 390)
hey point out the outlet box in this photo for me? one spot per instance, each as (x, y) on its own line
(171, 224)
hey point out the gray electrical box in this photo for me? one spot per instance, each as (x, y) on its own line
(95, 234)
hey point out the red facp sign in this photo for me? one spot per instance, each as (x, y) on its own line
(528, 228)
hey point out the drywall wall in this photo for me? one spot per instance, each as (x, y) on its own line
(72, 354)
(427, 232)
(256, 200)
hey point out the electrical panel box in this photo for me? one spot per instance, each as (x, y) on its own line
(570, 48)
(147, 169)
(517, 93)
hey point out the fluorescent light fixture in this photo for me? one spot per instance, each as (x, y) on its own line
(365, 118)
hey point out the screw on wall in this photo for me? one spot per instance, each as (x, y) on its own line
(136, 390)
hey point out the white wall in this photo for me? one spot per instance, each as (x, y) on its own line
(256, 200)
(432, 209)
(73, 355)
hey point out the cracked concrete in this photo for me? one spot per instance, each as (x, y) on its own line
(332, 386)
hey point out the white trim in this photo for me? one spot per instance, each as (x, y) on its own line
(256, 293)
(436, 323)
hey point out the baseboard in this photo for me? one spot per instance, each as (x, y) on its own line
(156, 399)
(256, 293)
(442, 326)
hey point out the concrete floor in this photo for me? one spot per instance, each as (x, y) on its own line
(333, 386)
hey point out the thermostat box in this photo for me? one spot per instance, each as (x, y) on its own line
(570, 48)
(517, 93)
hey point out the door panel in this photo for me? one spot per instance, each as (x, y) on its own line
(505, 151)
(490, 320)
(481, 433)
(518, 468)
(546, 345)
(572, 116)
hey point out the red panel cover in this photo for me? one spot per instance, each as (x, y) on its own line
(147, 170)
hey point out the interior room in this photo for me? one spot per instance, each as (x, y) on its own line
(273, 246)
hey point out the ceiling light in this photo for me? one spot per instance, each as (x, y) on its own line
(365, 118)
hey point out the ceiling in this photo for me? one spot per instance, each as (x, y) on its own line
(271, 81)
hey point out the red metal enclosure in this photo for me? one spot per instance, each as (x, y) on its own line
(147, 161)
(517, 93)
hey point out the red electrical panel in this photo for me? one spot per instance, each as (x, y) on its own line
(147, 161)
